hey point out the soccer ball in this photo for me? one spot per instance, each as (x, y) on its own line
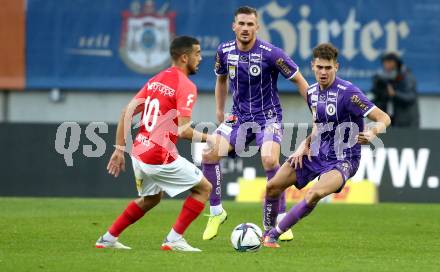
(246, 237)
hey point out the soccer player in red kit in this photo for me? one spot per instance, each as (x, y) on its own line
(166, 103)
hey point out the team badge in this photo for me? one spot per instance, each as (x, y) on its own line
(145, 37)
(330, 109)
(232, 72)
(254, 70)
(244, 58)
(345, 168)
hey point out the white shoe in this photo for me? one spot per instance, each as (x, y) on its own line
(101, 243)
(179, 245)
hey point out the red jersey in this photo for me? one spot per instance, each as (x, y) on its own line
(166, 96)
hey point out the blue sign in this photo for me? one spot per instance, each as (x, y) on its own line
(119, 44)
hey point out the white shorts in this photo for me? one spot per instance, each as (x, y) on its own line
(173, 178)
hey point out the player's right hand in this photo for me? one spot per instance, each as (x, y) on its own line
(220, 116)
(116, 163)
(296, 159)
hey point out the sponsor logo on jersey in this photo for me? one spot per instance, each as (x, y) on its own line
(161, 88)
(232, 57)
(190, 100)
(282, 65)
(146, 36)
(228, 44)
(232, 71)
(357, 101)
(265, 47)
(228, 49)
(341, 87)
(254, 70)
(217, 62)
(255, 58)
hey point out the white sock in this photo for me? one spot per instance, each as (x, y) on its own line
(173, 236)
(108, 237)
(280, 217)
(216, 210)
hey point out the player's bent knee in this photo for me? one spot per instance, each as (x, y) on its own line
(204, 188)
(313, 196)
(273, 190)
(207, 186)
(269, 162)
(148, 202)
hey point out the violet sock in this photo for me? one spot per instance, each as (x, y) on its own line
(212, 173)
(270, 212)
(299, 211)
(282, 203)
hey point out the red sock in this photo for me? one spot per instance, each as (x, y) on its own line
(130, 215)
(190, 210)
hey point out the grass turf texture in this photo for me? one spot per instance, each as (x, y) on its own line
(42, 234)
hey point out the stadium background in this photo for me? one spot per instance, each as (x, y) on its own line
(78, 61)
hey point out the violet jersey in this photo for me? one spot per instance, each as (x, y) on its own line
(253, 79)
(338, 112)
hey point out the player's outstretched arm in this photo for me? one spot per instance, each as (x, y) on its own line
(221, 93)
(185, 131)
(301, 83)
(382, 121)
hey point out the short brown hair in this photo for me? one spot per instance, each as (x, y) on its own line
(245, 10)
(325, 51)
(182, 45)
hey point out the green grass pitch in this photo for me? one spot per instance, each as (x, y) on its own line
(43, 234)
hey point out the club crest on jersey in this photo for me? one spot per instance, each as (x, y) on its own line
(254, 70)
(146, 36)
(244, 59)
(345, 167)
(330, 109)
(232, 71)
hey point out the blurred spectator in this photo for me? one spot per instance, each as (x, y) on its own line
(395, 92)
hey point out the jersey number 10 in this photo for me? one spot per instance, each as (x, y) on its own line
(151, 107)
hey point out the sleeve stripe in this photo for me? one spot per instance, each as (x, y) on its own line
(368, 111)
(217, 74)
(294, 74)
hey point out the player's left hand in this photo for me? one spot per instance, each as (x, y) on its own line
(365, 137)
(116, 163)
